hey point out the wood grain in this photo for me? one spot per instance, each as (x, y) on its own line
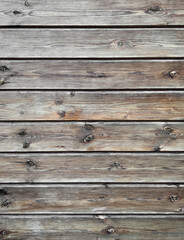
(89, 198)
(91, 43)
(85, 74)
(92, 227)
(137, 105)
(95, 136)
(91, 13)
(92, 167)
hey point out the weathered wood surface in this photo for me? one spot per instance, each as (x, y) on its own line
(95, 136)
(94, 43)
(92, 227)
(85, 105)
(92, 198)
(91, 13)
(85, 74)
(92, 167)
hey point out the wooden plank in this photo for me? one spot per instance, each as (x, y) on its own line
(92, 198)
(91, 43)
(92, 167)
(90, 13)
(85, 74)
(136, 105)
(95, 136)
(92, 227)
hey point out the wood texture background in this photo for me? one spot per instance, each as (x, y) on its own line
(91, 119)
(91, 43)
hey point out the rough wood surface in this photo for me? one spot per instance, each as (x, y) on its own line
(92, 198)
(92, 167)
(85, 74)
(91, 13)
(91, 43)
(103, 105)
(94, 136)
(92, 227)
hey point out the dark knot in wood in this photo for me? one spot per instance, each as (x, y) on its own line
(3, 192)
(172, 74)
(22, 133)
(88, 138)
(58, 101)
(3, 232)
(62, 113)
(27, 4)
(154, 9)
(26, 144)
(30, 163)
(88, 127)
(3, 68)
(16, 12)
(109, 230)
(168, 129)
(173, 198)
(6, 203)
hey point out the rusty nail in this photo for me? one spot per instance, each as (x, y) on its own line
(30, 163)
(174, 198)
(58, 101)
(26, 144)
(88, 138)
(3, 232)
(6, 203)
(22, 132)
(62, 113)
(172, 74)
(3, 68)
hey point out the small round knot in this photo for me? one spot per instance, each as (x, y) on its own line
(173, 198)
(110, 230)
(3, 68)
(58, 101)
(168, 129)
(16, 12)
(88, 138)
(26, 144)
(30, 163)
(62, 113)
(6, 203)
(173, 74)
(3, 232)
(22, 132)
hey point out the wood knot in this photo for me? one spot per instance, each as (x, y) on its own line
(100, 75)
(26, 144)
(154, 10)
(110, 230)
(58, 101)
(173, 198)
(22, 132)
(3, 192)
(6, 203)
(16, 12)
(30, 163)
(3, 232)
(3, 68)
(27, 4)
(62, 113)
(88, 138)
(168, 129)
(88, 127)
(172, 74)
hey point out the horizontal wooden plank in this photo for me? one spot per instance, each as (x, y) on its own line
(103, 105)
(85, 74)
(92, 167)
(89, 198)
(95, 136)
(91, 43)
(104, 12)
(92, 227)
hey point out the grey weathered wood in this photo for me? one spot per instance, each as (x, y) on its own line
(94, 43)
(92, 227)
(95, 136)
(85, 74)
(95, 167)
(92, 198)
(103, 12)
(103, 105)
